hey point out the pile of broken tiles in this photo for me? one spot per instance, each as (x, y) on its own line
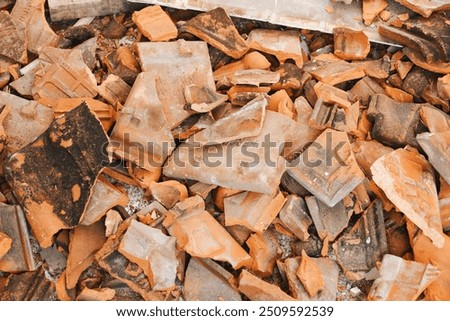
(159, 154)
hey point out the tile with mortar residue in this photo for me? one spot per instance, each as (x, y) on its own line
(254, 77)
(206, 240)
(19, 257)
(52, 177)
(407, 179)
(327, 168)
(31, 13)
(401, 280)
(73, 9)
(141, 134)
(206, 280)
(217, 29)
(13, 40)
(174, 66)
(260, 172)
(104, 197)
(24, 120)
(153, 251)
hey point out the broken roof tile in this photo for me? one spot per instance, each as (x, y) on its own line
(114, 90)
(112, 222)
(328, 168)
(246, 122)
(174, 66)
(367, 152)
(332, 95)
(5, 244)
(216, 28)
(53, 176)
(206, 240)
(338, 72)
(104, 197)
(350, 44)
(85, 241)
(72, 9)
(153, 251)
(168, 193)
(19, 257)
(283, 44)
(395, 124)
(31, 14)
(206, 280)
(436, 146)
(282, 103)
(295, 217)
(253, 210)
(371, 9)
(264, 250)
(25, 120)
(408, 181)
(365, 244)
(155, 24)
(141, 134)
(254, 77)
(13, 42)
(364, 89)
(329, 221)
(401, 280)
(258, 290)
(310, 275)
(123, 63)
(425, 8)
(103, 294)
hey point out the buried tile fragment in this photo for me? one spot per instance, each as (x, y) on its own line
(28, 286)
(201, 189)
(31, 14)
(395, 124)
(141, 134)
(155, 24)
(174, 66)
(425, 8)
(328, 168)
(200, 235)
(246, 122)
(425, 252)
(217, 29)
(18, 258)
(283, 44)
(444, 204)
(114, 90)
(85, 241)
(401, 280)
(24, 121)
(206, 280)
(168, 193)
(258, 290)
(13, 42)
(104, 197)
(254, 77)
(295, 217)
(338, 72)
(153, 251)
(261, 172)
(112, 222)
(265, 250)
(329, 271)
(329, 221)
(407, 178)
(103, 294)
(437, 148)
(350, 44)
(52, 178)
(310, 275)
(365, 244)
(5, 244)
(253, 210)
